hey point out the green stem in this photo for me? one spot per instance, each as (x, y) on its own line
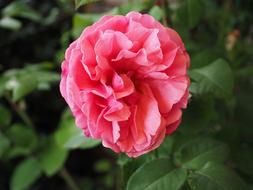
(120, 178)
(20, 111)
(69, 180)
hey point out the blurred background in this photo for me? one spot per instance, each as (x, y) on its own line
(40, 147)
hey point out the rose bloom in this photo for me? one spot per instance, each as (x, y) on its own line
(125, 81)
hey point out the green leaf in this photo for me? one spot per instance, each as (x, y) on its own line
(24, 140)
(16, 152)
(80, 141)
(67, 128)
(21, 82)
(70, 136)
(180, 139)
(197, 152)
(10, 23)
(189, 14)
(130, 165)
(25, 174)
(22, 136)
(216, 78)
(52, 158)
(216, 176)
(165, 148)
(79, 3)
(195, 12)
(44, 79)
(22, 86)
(137, 5)
(156, 12)
(157, 174)
(204, 57)
(4, 144)
(243, 159)
(80, 21)
(52, 17)
(21, 9)
(5, 116)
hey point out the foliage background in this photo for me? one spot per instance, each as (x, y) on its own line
(40, 147)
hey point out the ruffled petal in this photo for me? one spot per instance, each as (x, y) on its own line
(147, 119)
(168, 92)
(117, 112)
(124, 86)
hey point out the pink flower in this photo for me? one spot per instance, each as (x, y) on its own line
(125, 81)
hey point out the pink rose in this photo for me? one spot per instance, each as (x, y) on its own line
(125, 81)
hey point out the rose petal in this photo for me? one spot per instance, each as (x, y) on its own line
(168, 92)
(117, 112)
(147, 118)
(126, 89)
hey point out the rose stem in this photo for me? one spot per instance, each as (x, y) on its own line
(20, 111)
(69, 180)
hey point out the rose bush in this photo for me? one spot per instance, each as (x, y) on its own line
(125, 80)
